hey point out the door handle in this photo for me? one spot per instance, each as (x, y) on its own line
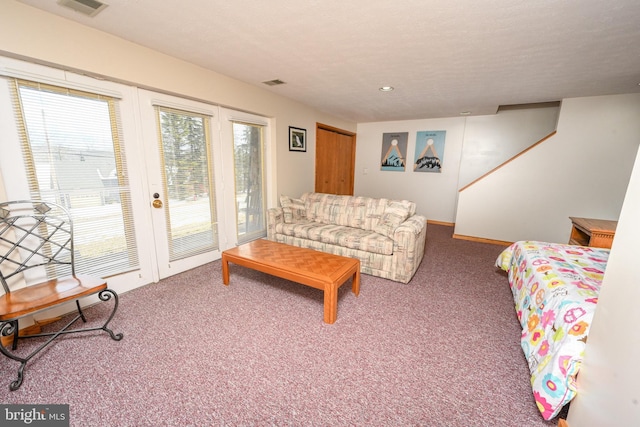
(157, 204)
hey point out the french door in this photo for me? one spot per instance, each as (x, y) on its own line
(182, 153)
(150, 178)
(66, 143)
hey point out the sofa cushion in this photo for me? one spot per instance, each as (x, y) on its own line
(314, 203)
(293, 209)
(396, 212)
(351, 211)
(370, 263)
(348, 237)
(345, 210)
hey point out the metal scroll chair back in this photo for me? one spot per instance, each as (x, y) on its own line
(37, 272)
(34, 234)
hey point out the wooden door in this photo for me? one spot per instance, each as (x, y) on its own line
(335, 160)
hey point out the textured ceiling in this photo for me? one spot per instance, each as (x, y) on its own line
(442, 56)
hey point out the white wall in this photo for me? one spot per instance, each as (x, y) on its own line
(609, 381)
(31, 34)
(473, 146)
(491, 140)
(434, 193)
(582, 171)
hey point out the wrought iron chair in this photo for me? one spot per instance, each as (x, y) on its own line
(37, 273)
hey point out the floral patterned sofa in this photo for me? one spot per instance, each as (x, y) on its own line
(385, 235)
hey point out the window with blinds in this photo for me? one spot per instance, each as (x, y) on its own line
(187, 175)
(249, 181)
(73, 153)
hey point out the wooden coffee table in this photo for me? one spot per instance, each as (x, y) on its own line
(317, 269)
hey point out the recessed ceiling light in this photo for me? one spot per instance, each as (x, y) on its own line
(386, 89)
(465, 113)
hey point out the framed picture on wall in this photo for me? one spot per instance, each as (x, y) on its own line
(429, 151)
(394, 151)
(297, 139)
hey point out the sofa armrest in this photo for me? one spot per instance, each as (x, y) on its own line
(408, 247)
(414, 224)
(274, 216)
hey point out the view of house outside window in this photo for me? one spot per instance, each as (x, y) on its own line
(72, 148)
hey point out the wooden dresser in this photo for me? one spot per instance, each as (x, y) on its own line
(592, 232)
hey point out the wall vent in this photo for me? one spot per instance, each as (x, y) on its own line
(274, 82)
(86, 7)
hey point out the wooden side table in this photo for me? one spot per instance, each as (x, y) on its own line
(592, 232)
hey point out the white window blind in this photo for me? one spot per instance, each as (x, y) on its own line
(73, 153)
(187, 176)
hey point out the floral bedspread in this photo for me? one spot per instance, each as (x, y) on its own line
(555, 288)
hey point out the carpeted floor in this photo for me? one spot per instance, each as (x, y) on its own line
(441, 351)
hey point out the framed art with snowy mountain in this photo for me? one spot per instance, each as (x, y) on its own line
(394, 151)
(429, 151)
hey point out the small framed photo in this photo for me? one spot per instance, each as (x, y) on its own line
(297, 139)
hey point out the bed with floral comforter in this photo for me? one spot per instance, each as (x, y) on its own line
(555, 288)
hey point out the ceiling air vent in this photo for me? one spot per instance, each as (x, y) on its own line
(275, 82)
(86, 7)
